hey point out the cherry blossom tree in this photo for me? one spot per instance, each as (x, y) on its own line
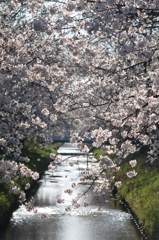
(90, 66)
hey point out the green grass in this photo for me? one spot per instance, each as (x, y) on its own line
(35, 152)
(39, 156)
(97, 152)
(142, 193)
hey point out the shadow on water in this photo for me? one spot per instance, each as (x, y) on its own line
(51, 222)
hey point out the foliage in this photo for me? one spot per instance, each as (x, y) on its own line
(98, 152)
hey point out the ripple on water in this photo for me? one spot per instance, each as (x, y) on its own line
(21, 215)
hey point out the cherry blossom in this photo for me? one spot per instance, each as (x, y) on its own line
(91, 71)
(133, 163)
(71, 164)
(30, 205)
(22, 197)
(59, 200)
(73, 185)
(118, 184)
(69, 191)
(27, 186)
(131, 174)
(85, 204)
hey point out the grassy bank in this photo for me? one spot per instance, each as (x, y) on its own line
(39, 160)
(39, 156)
(141, 192)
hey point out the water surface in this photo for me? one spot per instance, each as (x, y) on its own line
(51, 222)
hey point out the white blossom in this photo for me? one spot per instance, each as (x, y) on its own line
(52, 156)
(22, 197)
(27, 186)
(133, 163)
(45, 112)
(53, 117)
(131, 174)
(35, 175)
(118, 184)
(59, 200)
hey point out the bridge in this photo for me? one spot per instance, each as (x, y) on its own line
(57, 138)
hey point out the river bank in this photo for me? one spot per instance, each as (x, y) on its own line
(39, 160)
(141, 193)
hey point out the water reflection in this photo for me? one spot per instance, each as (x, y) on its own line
(111, 223)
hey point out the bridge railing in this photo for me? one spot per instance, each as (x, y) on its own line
(67, 139)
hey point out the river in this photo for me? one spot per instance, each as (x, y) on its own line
(51, 222)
